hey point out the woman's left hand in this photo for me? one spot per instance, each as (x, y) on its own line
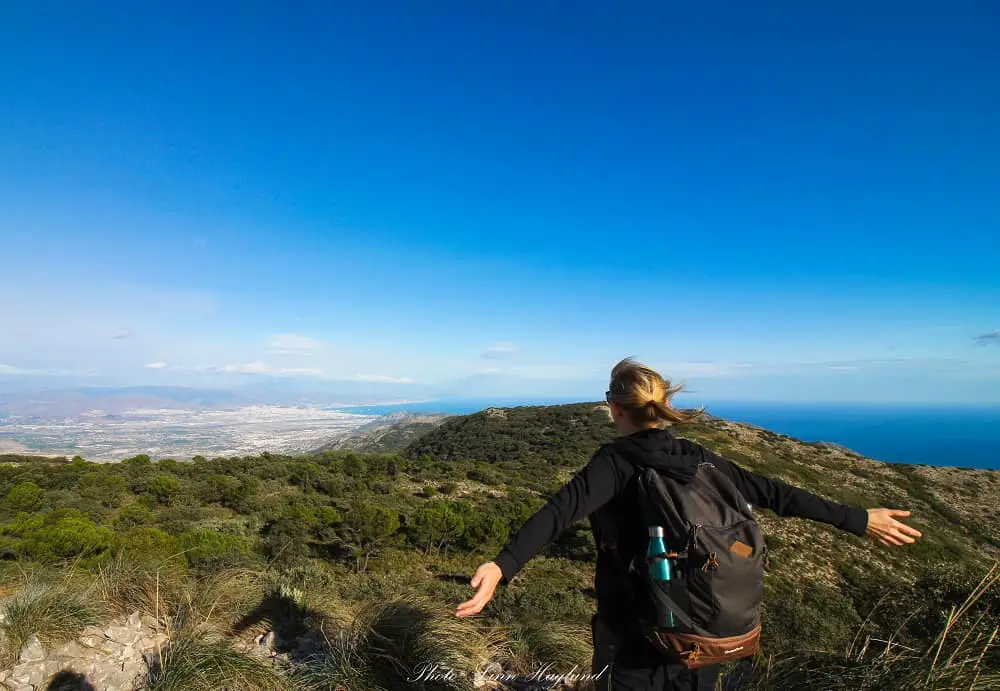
(884, 528)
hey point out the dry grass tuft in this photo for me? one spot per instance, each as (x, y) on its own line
(55, 613)
(201, 663)
(956, 661)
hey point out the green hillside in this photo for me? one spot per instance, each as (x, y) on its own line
(390, 434)
(326, 548)
(563, 435)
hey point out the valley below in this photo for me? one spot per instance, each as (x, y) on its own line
(181, 433)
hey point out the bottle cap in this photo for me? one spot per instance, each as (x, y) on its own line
(656, 531)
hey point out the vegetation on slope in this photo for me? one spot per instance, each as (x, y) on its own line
(563, 435)
(210, 542)
(390, 434)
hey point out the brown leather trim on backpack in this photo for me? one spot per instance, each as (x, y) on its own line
(742, 549)
(701, 651)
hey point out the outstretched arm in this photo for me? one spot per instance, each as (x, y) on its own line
(590, 489)
(787, 500)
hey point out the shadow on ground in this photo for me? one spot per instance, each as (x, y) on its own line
(69, 681)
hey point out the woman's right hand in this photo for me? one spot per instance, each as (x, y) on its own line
(485, 580)
(884, 528)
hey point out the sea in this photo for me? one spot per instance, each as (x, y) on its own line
(964, 436)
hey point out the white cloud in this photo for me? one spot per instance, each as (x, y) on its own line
(10, 370)
(156, 365)
(292, 344)
(384, 379)
(261, 368)
(500, 350)
(122, 334)
(249, 368)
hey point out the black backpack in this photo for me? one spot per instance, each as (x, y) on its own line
(718, 558)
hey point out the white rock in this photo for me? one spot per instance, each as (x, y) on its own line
(132, 673)
(52, 667)
(121, 634)
(268, 640)
(135, 620)
(93, 631)
(71, 651)
(20, 674)
(18, 679)
(151, 642)
(97, 643)
(32, 650)
(37, 675)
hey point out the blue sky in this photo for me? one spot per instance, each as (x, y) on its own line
(776, 201)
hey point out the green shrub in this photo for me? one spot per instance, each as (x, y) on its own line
(380, 487)
(807, 614)
(435, 525)
(24, 496)
(133, 515)
(215, 488)
(285, 540)
(484, 476)
(548, 592)
(485, 531)
(64, 534)
(163, 488)
(23, 524)
(211, 549)
(368, 526)
(105, 487)
(151, 543)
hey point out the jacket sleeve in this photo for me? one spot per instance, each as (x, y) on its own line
(788, 500)
(592, 487)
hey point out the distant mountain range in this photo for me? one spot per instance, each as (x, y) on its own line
(54, 403)
(58, 402)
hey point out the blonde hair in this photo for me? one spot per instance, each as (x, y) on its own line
(645, 395)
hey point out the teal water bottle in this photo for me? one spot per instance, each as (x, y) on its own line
(659, 568)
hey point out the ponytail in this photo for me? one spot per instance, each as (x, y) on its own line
(644, 395)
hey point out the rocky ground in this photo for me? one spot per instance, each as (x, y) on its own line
(118, 658)
(113, 658)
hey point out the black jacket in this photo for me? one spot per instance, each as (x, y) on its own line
(604, 490)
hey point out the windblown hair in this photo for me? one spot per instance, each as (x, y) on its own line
(645, 395)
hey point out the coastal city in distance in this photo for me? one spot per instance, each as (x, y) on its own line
(180, 433)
